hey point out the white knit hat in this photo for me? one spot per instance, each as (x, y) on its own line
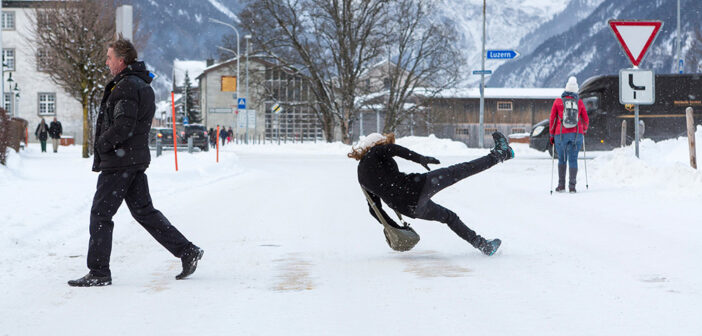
(370, 140)
(572, 85)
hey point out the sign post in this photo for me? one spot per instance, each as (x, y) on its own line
(241, 105)
(636, 86)
(502, 54)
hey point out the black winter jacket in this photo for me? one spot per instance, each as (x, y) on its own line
(379, 175)
(124, 121)
(55, 130)
(42, 132)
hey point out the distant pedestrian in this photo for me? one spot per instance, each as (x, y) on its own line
(567, 125)
(223, 134)
(42, 133)
(212, 135)
(121, 156)
(230, 135)
(55, 131)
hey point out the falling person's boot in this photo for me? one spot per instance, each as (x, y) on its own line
(561, 178)
(502, 151)
(572, 174)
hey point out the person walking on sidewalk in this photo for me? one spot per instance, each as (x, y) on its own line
(121, 156)
(567, 125)
(55, 131)
(42, 133)
(410, 194)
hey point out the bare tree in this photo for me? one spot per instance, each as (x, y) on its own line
(72, 37)
(330, 42)
(422, 59)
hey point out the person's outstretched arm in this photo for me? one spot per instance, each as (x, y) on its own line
(379, 205)
(397, 150)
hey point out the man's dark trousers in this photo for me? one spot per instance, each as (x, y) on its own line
(132, 187)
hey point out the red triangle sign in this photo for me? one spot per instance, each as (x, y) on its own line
(635, 37)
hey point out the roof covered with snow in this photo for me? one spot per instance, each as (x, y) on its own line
(507, 93)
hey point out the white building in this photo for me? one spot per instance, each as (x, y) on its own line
(36, 96)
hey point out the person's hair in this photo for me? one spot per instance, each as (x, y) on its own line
(124, 49)
(358, 153)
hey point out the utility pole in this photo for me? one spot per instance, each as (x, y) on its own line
(481, 132)
(679, 51)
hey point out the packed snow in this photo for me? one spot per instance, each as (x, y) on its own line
(291, 249)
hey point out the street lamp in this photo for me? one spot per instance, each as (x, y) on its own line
(248, 101)
(9, 88)
(237, 57)
(17, 95)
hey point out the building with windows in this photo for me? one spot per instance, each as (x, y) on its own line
(269, 84)
(29, 92)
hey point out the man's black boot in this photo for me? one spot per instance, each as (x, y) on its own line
(189, 260)
(502, 151)
(90, 280)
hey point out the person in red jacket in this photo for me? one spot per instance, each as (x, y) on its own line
(567, 125)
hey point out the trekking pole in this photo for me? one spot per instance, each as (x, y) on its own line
(587, 186)
(553, 158)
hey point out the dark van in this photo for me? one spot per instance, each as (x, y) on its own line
(665, 119)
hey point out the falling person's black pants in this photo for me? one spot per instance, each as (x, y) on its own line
(132, 187)
(440, 179)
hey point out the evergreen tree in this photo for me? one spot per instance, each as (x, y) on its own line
(191, 106)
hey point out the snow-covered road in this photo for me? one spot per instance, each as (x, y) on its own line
(290, 248)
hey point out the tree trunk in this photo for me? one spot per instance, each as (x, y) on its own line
(86, 127)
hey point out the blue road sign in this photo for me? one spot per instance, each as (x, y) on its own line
(502, 54)
(185, 120)
(680, 66)
(242, 103)
(482, 72)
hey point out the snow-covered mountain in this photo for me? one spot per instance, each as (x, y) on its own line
(181, 29)
(589, 48)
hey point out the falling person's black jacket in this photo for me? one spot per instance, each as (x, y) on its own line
(379, 176)
(124, 121)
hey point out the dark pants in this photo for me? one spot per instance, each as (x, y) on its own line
(442, 178)
(43, 145)
(132, 187)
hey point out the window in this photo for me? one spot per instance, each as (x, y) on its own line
(47, 103)
(462, 131)
(518, 130)
(43, 60)
(8, 58)
(228, 83)
(7, 103)
(504, 106)
(8, 20)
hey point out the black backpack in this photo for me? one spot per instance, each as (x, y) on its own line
(570, 112)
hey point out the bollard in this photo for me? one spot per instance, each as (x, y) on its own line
(159, 146)
(623, 142)
(691, 136)
(190, 144)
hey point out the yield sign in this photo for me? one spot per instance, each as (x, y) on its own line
(635, 37)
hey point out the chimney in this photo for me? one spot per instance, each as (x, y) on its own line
(210, 62)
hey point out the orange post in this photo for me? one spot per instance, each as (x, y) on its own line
(26, 136)
(175, 135)
(217, 143)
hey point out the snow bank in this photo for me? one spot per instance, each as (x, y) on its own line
(664, 165)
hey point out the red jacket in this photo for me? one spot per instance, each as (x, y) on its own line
(555, 125)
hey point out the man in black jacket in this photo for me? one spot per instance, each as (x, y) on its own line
(55, 131)
(410, 194)
(121, 156)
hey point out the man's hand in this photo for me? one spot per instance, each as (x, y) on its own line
(551, 141)
(426, 160)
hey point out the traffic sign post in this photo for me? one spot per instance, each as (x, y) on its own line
(636, 86)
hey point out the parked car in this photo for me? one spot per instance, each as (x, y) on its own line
(198, 133)
(166, 135)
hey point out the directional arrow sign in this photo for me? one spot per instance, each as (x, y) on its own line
(635, 37)
(482, 72)
(502, 54)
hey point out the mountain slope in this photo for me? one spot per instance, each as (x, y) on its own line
(589, 48)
